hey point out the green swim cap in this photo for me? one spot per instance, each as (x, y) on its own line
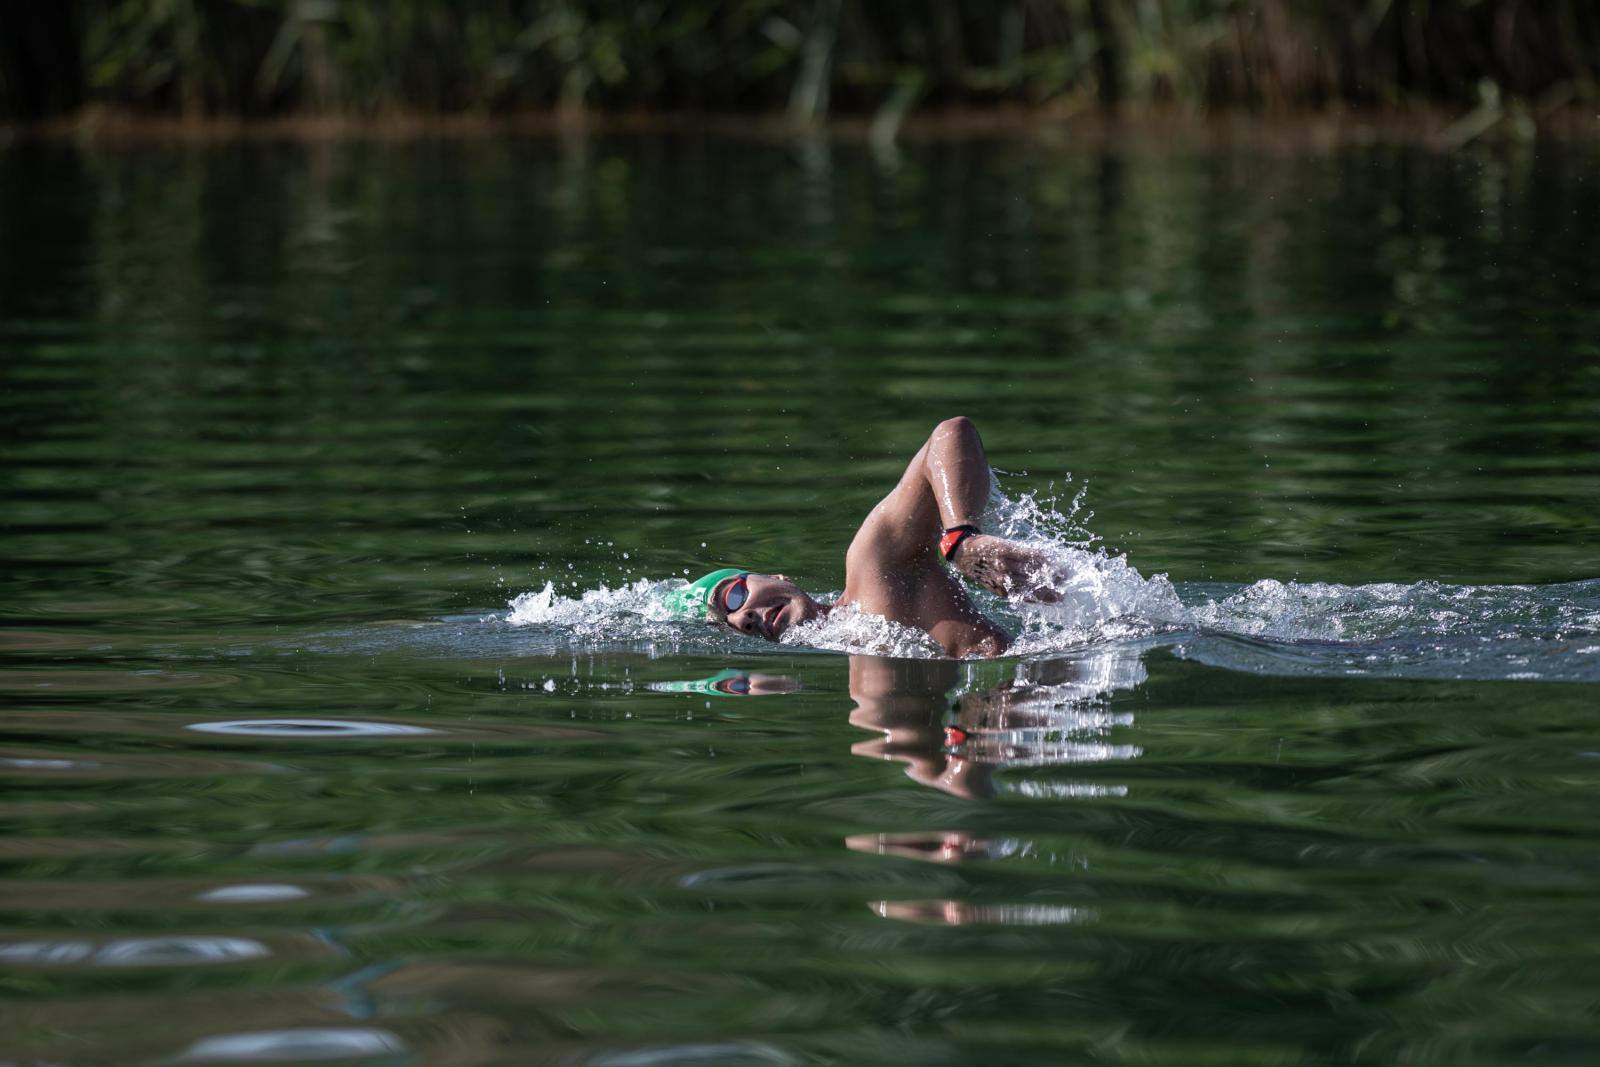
(694, 600)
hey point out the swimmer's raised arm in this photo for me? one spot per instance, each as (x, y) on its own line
(945, 488)
(895, 567)
(945, 485)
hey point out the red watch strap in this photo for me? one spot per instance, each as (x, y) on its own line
(951, 541)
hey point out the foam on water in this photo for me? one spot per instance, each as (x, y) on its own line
(849, 629)
(632, 616)
(1423, 629)
(593, 607)
(1101, 595)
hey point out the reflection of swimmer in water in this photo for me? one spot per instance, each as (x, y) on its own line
(895, 566)
(1052, 715)
(954, 736)
(733, 683)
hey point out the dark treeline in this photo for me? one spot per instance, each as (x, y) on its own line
(809, 58)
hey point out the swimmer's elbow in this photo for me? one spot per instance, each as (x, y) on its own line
(957, 424)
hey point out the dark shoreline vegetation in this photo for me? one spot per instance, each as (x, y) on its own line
(1507, 66)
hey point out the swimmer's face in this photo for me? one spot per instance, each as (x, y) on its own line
(771, 605)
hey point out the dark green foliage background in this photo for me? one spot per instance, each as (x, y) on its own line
(810, 57)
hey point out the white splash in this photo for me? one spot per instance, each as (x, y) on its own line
(1426, 627)
(642, 598)
(1100, 595)
(849, 629)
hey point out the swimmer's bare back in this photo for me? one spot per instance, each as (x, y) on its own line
(894, 566)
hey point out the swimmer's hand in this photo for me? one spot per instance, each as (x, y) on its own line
(1008, 569)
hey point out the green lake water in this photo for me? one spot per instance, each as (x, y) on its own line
(336, 476)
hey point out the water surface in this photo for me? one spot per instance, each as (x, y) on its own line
(287, 426)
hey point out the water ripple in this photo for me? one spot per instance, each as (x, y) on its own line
(309, 728)
(299, 1045)
(134, 951)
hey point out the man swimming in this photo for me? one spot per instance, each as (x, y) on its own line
(896, 564)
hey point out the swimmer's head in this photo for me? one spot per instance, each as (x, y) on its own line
(761, 605)
(693, 600)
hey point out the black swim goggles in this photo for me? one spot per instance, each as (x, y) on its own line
(735, 594)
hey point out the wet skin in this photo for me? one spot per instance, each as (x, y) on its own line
(894, 567)
(773, 604)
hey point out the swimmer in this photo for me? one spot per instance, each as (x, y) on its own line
(904, 561)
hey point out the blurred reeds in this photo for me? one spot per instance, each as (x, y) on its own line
(807, 58)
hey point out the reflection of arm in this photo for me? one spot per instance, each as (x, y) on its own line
(904, 700)
(905, 683)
